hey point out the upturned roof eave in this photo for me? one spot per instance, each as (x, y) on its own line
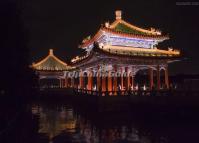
(133, 27)
(112, 31)
(57, 60)
(104, 52)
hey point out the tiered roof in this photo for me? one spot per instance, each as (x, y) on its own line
(122, 28)
(51, 63)
(131, 52)
(140, 51)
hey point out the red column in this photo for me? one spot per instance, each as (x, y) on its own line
(98, 81)
(62, 80)
(66, 81)
(127, 79)
(90, 80)
(103, 82)
(122, 79)
(132, 82)
(158, 77)
(109, 81)
(151, 78)
(167, 77)
(128, 82)
(115, 81)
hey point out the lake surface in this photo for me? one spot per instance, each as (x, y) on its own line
(64, 123)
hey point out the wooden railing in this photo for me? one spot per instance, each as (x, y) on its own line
(162, 92)
(122, 92)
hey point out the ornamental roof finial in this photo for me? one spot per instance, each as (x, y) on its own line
(107, 24)
(50, 51)
(118, 14)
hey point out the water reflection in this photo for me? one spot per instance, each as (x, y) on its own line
(63, 124)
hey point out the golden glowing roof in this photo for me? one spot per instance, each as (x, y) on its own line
(131, 52)
(125, 27)
(122, 28)
(51, 63)
(140, 51)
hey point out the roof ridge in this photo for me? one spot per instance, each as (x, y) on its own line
(47, 57)
(135, 35)
(121, 21)
(123, 34)
(41, 61)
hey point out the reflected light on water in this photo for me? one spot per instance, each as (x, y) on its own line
(62, 124)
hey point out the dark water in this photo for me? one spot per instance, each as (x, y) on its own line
(64, 123)
(53, 122)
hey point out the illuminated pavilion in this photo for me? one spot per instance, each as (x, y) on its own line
(51, 71)
(125, 49)
(114, 55)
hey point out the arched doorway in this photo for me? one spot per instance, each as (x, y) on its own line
(85, 80)
(162, 78)
(131, 81)
(141, 79)
(94, 80)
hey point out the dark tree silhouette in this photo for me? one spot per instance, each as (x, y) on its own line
(16, 76)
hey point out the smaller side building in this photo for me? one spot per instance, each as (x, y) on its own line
(51, 71)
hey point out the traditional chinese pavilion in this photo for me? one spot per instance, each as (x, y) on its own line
(51, 71)
(117, 52)
(114, 55)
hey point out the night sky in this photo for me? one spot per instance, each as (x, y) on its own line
(63, 24)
